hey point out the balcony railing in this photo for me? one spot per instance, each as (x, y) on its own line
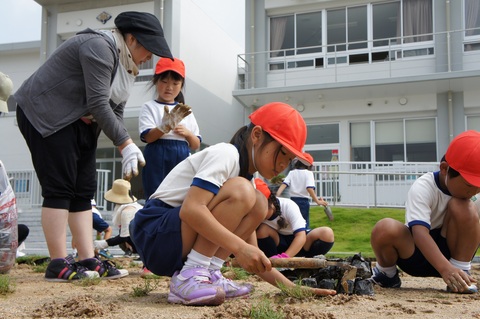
(369, 60)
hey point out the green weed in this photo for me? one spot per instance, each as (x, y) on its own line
(265, 310)
(7, 285)
(149, 284)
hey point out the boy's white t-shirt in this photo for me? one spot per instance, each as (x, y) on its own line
(292, 215)
(298, 180)
(426, 203)
(207, 169)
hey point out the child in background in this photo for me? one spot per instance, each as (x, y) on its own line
(301, 183)
(166, 145)
(283, 235)
(125, 208)
(207, 209)
(441, 232)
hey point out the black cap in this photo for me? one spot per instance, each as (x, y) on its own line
(146, 28)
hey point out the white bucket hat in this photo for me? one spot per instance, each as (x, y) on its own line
(6, 87)
(121, 193)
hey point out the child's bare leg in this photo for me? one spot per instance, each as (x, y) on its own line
(391, 240)
(320, 233)
(462, 229)
(235, 208)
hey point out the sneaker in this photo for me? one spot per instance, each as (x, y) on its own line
(61, 270)
(106, 269)
(381, 279)
(193, 287)
(232, 289)
(128, 253)
(105, 253)
(472, 289)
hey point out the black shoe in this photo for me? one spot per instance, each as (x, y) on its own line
(61, 270)
(106, 269)
(381, 279)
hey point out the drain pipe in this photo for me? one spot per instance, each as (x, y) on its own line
(449, 66)
(450, 115)
(162, 3)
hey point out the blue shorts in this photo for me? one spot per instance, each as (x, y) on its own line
(417, 265)
(304, 205)
(156, 233)
(99, 224)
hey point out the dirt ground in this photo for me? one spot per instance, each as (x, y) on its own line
(34, 297)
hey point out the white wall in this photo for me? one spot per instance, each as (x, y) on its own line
(18, 65)
(209, 48)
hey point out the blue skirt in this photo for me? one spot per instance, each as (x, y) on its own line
(161, 157)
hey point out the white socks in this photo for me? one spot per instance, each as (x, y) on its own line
(195, 259)
(463, 265)
(389, 271)
(216, 263)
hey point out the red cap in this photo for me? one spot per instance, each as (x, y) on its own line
(263, 187)
(284, 124)
(175, 65)
(309, 158)
(463, 155)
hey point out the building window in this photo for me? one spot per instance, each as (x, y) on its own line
(145, 73)
(417, 21)
(348, 30)
(309, 32)
(421, 140)
(360, 142)
(323, 134)
(473, 122)
(472, 25)
(385, 22)
(282, 36)
(389, 141)
(347, 25)
(412, 140)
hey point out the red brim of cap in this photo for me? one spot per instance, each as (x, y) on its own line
(472, 179)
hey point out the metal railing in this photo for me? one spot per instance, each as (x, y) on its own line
(28, 191)
(364, 184)
(368, 184)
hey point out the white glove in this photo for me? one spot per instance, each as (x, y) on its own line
(131, 157)
(172, 118)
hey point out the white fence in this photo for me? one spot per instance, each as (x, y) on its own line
(29, 193)
(368, 184)
(365, 184)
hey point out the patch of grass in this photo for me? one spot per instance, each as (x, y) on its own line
(265, 310)
(7, 285)
(353, 226)
(149, 284)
